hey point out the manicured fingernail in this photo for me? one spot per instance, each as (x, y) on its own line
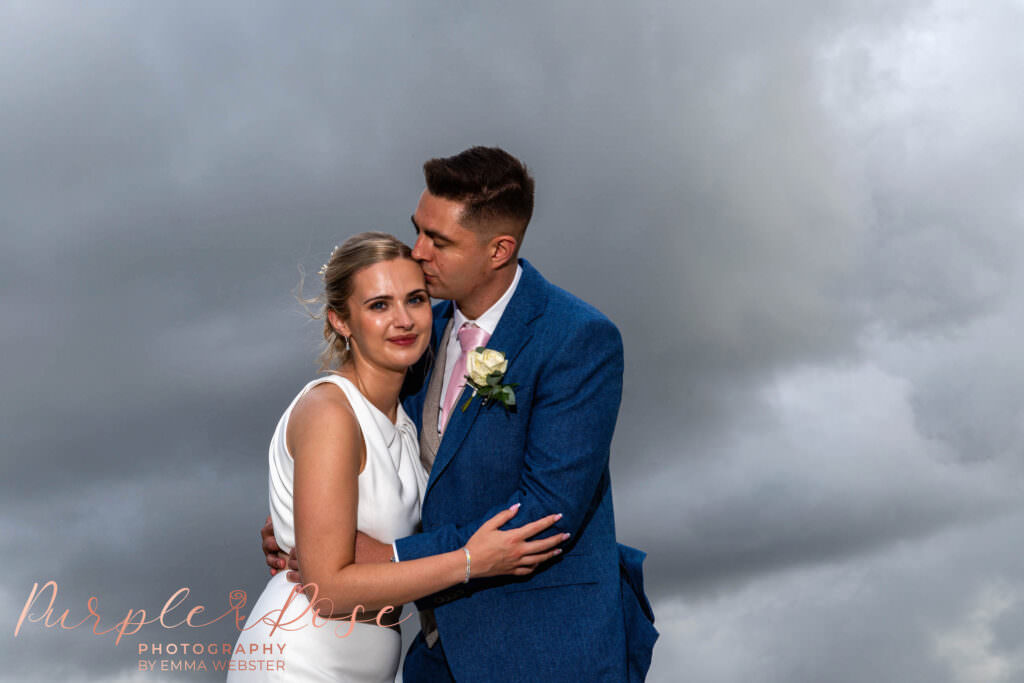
(515, 506)
(566, 535)
(558, 516)
(558, 551)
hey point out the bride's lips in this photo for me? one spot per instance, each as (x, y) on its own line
(404, 340)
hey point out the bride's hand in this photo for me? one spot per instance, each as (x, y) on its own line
(494, 552)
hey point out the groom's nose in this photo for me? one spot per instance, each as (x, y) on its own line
(421, 249)
(418, 248)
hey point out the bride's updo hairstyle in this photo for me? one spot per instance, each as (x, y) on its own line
(356, 253)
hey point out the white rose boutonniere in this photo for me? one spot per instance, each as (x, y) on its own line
(486, 368)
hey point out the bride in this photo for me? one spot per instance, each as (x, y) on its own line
(345, 458)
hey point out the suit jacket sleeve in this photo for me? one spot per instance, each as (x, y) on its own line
(572, 419)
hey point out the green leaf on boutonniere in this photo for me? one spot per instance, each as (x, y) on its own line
(486, 368)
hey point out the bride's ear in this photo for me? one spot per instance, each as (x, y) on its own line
(337, 323)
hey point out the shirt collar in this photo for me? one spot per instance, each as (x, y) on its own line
(490, 318)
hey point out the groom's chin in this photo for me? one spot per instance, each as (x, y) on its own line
(435, 291)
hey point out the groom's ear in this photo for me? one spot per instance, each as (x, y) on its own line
(502, 249)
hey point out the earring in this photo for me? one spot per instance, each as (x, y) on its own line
(347, 346)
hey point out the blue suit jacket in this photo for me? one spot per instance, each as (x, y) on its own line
(569, 619)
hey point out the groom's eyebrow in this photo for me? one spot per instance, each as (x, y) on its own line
(435, 236)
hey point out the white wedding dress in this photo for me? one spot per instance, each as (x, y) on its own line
(391, 488)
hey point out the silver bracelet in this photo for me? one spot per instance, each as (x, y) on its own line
(467, 564)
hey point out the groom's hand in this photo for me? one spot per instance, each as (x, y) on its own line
(272, 551)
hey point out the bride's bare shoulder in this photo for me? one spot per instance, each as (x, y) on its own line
(324, 397)
(323, 418)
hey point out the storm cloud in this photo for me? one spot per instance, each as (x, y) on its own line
(805, 218)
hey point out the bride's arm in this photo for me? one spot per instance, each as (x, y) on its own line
(326, 443)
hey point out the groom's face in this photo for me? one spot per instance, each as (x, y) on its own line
(453, 257)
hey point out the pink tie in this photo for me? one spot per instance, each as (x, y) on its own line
(470, 337)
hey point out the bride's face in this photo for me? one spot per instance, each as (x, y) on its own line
(389, 315)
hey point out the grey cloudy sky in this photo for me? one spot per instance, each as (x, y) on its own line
(805, 217)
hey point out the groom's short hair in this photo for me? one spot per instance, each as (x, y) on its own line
(495, 187)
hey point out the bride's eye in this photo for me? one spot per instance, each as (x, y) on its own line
(378, 306)
(416, 299)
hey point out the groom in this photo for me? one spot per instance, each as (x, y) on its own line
(583, 615)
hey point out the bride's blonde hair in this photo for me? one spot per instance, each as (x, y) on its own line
(353, 255)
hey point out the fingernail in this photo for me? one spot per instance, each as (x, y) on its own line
(558, 551)
(515, 506)
(558, 516)
(566, 535)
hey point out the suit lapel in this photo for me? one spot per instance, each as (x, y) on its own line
(430, 440)
(443, 314)
(510, 336)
